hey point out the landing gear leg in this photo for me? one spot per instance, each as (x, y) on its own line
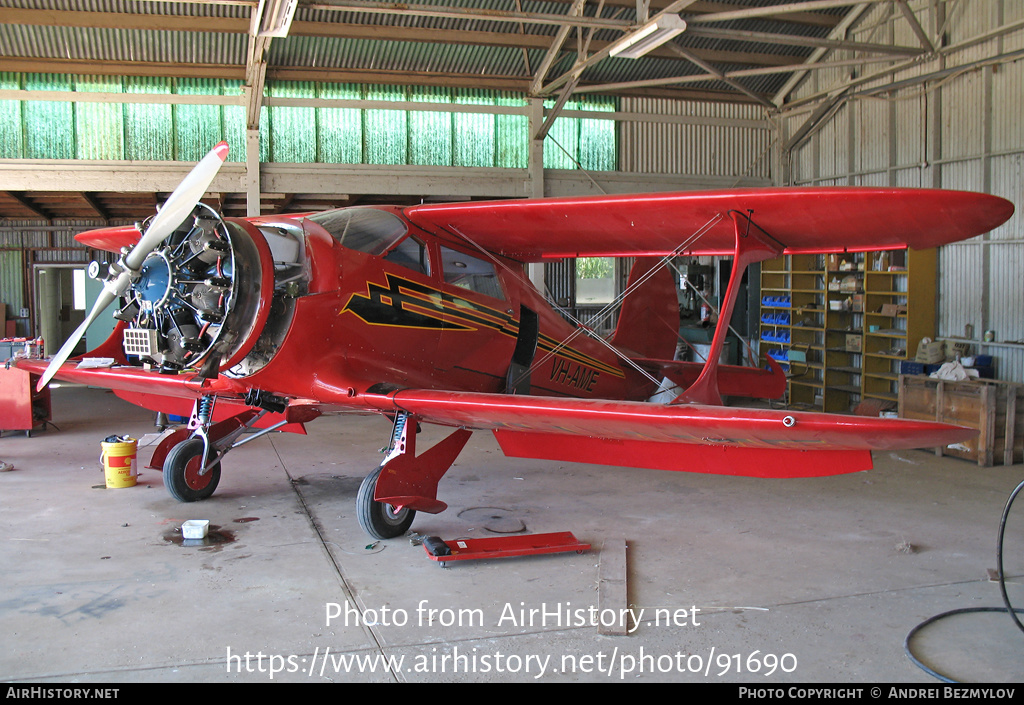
(190, 458)
(189, 474)
(391, 495)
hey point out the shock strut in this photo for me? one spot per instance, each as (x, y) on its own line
(397, 446)
(201, 419)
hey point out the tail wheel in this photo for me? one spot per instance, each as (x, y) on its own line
(380, 520)
(181, 472)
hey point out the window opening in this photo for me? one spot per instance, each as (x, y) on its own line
(411, 254)
(469, 272)
(595, 280)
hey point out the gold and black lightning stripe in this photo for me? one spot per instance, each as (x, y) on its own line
(403, 303)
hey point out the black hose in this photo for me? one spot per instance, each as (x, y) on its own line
(999, 556)
(1008, 608)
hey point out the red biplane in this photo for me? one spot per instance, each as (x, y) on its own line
(424, 314)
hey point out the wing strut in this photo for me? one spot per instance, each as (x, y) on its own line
(752, 245)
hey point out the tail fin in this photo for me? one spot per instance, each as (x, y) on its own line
(649, 319)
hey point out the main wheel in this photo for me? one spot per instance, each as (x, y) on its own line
(380, 520)
(181, 472)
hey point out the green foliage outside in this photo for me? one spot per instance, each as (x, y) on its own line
(595, 267)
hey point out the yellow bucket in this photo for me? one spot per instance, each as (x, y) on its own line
(119, 461)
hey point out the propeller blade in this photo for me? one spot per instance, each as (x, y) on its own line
(102, 301)
(175, 210)
(178, 205)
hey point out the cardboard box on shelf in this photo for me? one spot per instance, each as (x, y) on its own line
(929, 351)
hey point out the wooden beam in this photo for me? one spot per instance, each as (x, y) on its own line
(915, 26)
(721, 76)
(22, 200)
(795, 40)
(797, 12)
(90, 198)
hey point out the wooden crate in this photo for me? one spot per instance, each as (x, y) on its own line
(993, 407)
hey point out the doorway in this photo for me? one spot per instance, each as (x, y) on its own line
(63, 296)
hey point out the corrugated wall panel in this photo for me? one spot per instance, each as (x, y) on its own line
(1008, 102)
(872, 131)
(719, 150)
(961, 304)
(965, 175)
(911, 131)
(909, 178)
(962, 102)
(1006, 292)
(10, 280)
(1007, 177)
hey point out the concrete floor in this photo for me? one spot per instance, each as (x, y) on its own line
(814, 580)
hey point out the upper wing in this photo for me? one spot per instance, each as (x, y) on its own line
(688, 437)
(822, 219)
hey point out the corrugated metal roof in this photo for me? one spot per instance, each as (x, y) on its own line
(370, 40)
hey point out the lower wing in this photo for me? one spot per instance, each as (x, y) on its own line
(174, 394)
(686, 437)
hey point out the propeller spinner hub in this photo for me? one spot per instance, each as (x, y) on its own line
(153, 284)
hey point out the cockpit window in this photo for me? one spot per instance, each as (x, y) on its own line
(472, 273)
(410, 253)
(365, 229)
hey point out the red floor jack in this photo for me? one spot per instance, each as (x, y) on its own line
(501, 546)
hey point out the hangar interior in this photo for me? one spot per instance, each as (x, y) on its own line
(106, 106)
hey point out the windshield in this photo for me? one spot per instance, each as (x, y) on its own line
(365, 229)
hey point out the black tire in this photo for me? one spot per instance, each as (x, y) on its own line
(181, 472)
(380, 520)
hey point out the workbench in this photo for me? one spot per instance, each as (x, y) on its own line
(22, 408)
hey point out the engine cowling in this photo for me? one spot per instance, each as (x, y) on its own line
(202, 298)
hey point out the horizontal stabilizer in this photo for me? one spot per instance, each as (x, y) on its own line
(733, 380)
(111, 239)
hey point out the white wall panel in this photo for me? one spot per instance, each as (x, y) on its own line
(1006, 292)
(914, 177)
(961, 295)
(872, 130)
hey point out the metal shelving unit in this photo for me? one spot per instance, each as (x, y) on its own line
(840, 324)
